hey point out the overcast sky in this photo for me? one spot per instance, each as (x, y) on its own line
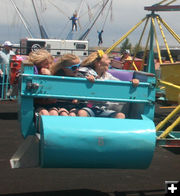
(125, 14)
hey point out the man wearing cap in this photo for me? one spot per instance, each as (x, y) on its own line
(5, 54)
(4, 59)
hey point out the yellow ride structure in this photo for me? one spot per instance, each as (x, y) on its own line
(170, 72)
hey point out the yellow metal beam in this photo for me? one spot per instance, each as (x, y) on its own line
(157, 44)
(170, 128)
(170, 2)
(164, 38)
(170, 30)
(161, 2)
(162, 123)
(147, 19)
(168, 107)
(123, 37)
(135, 67)
(169, 84)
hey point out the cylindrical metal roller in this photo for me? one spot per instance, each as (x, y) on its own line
(88, 142)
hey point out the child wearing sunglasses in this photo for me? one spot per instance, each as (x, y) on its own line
(95, 66)
(43, 61)
(68, 65)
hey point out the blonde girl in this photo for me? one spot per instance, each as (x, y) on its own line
(96, 66)
(43, 61)
(67, 65)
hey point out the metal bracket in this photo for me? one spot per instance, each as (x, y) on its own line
(33, 86)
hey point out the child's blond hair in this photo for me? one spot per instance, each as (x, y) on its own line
(63, 61)
(36, 57)
(92, 58)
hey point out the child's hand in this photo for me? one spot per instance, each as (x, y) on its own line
(45, 71)
(1, 73)
(17, 74)
(74, 101)
(135, 82)
(91, 78)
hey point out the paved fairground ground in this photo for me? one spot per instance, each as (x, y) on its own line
(82, 182)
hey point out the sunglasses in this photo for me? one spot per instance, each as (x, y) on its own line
(73, 67)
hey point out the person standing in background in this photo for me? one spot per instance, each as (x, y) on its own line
(126, 55)
(6, 52)
(5, 55)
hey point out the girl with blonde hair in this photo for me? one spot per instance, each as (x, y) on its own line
(68, 65)
(95, 66)
(43, 61)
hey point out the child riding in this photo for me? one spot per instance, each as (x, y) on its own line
(68, 65)
(95, 66)
(43, 61)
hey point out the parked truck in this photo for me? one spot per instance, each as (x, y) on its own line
(55, 46)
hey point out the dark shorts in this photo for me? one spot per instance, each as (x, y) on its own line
(99, 112)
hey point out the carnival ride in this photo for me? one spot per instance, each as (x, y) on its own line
(98, 9)
(90, 142)
(87, 15)
(87, 142)
(169, 71)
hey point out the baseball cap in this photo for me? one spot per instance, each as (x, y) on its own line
(7, 43)
(127, 51)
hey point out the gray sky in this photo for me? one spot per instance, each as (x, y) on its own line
(125, 14)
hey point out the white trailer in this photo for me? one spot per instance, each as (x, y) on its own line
(55, 46)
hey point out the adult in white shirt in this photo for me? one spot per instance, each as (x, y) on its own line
(4, 61)
(5, 55)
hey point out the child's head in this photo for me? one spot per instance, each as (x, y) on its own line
(75, 14)
(126, 53)
(41, 58)
(66, 65)
(97, 60)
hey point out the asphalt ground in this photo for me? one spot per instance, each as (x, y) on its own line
(82, 182)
